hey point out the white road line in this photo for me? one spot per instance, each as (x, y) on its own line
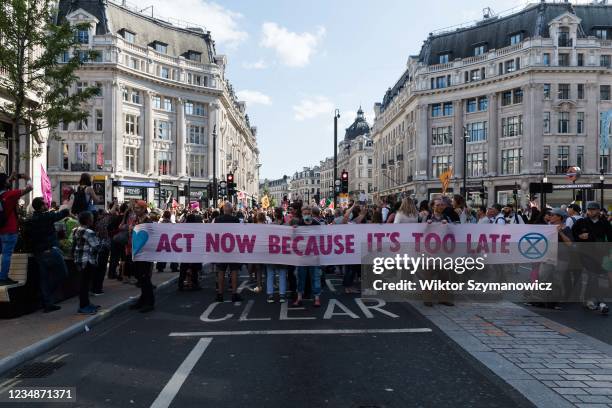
(165, 397)
(320, 331)
(330, 285)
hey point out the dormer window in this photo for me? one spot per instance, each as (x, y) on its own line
(601, 33)
(194, 56)
(516, 38)
(480, 49)
(129, 36)
(443, 58)
(160, 47)
(81, 35)
(564, 37)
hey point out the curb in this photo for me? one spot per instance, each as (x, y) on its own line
(38, 348)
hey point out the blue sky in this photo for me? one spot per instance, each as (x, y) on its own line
(294, 62)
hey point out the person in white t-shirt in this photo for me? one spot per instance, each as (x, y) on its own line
(407, 212)
(573, 215)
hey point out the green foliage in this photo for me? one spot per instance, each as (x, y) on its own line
(33, 74)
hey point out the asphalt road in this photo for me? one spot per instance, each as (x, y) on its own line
(132, 361)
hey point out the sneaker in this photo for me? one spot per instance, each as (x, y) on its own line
(317, 302)
(282, 299)
(236, 297)
(603, 308)
(8, 281)
(270, 298)
(590, 305)
(88, 310)
(51, 308)
(219, 297)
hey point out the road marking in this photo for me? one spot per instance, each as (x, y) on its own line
(165, 397)
(320, 331)
(330, 285)
(245, 313)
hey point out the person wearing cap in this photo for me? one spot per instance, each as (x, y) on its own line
(593, 229)
(495, 214)
(573, 214)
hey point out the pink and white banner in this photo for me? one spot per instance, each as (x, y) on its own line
(340, 244)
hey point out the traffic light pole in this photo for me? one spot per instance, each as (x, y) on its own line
(214, 159)
(336, 116)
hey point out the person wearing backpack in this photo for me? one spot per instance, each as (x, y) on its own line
(8, 221)
(84, 196)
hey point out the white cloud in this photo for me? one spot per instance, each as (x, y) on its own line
(293, 49)
(309, 108)
(221, 22)
(259, 64)
(254, 97)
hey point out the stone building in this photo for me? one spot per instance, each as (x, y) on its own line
(163, 94)
(527, 90)
(355, 155)
(278, 189)
(305, 185)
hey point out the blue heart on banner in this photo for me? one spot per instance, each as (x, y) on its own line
(139, 239)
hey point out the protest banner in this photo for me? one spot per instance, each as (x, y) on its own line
(339, 244)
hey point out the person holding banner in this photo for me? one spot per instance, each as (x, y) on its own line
(221, 268)
(303, 271)
(142, 269)
(281, 270)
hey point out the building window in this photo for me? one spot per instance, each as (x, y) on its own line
(516, 38)
(562, 158)
(164, 72)
(440, 164)
(99, 89)
(196, 134)
(194, 56)
(441, 136)
(477, 131)
(131, 159)
(580, 91)
(194, 79)
(564, 37)
(601, 33)
(157, 102)
(564, 91)
(162, 130)
(136, 96)
(360, 159)
(65, 156)
(480, 49)
(168, 104)
(604, 92)
(82, 155)
(506, 98)
(604, 61)
(563, 122)
(512, 126)
(580, 59)
(440, 82)
(483, 103)
(447, 109)
(161, 47)
(476, 164)
(436, 110)
(443, 59)
(131, 125)
(188, 108)
(546, 122)
(82, 124)
(81, 86)
(99, 120)
(546, 158)
(511, 161)
(126, 95)
(603, 162)
(196, 165)
(470, 105)
(564, 60)
(546, 91)
(580, 156)
(546, 58)
(199, 109)
(476, 75)
(517, 96)
(509, 66)
(580, 122)
(369, 173)
(129, 36)
(64, 126)
(163, 162)
(82, 36)
(134, 63)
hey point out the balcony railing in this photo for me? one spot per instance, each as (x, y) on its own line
(565, 42)
(80, 166)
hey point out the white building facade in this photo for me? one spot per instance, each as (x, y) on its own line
(163, 97)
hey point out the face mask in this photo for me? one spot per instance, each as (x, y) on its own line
(307, 219)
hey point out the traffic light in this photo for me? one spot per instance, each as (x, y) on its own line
(222, 189)
(231, 186)
(209, 191)
(344, 182)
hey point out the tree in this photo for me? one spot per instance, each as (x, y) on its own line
(38, 60)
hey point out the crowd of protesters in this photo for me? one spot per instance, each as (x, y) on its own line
(99, 241)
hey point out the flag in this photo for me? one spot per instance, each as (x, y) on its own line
(45, 186)
(322, 202)
(445, 179)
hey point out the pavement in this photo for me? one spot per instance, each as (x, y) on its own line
(29, 335)
(352, 352)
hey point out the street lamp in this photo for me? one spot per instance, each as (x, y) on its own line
(602, 180)
(465, 138)
(542, 194)
(214, 181)
(336, 117)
